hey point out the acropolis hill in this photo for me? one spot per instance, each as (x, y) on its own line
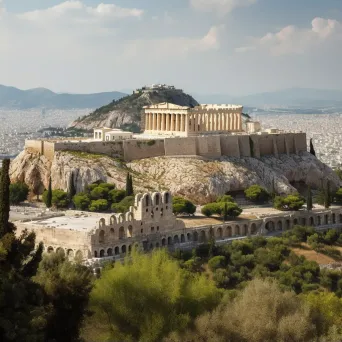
(199, 152)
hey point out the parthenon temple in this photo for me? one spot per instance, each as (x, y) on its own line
(170, 119)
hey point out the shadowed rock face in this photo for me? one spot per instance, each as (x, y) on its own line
(129, 110)
(198, 180)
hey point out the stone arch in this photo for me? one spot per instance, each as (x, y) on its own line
(60, 250)
(112, 233)
(129, 231)
(102, 223)
(163, 241)
(312, 221)
(166, 197)
(287, 224)
(319, 220)
(326, 219)
(280, 225)
(270, 226)
(50, 249)
(95, 254)
(188, 237)
(157, 245)
(303, 221)
(245, 230)
(101, 236)
(70, 254)
(137, 199)
(116, 250)
(113, 220)
(121, 218)
(169, 240)
(237, 230)
(295, 222)
(79, 255)
(195, 236)
(182, 238)
(129, 248)
(129, 216)
(123, 249)
(146, 200)
(219, 233)
(203, 236)
(109, 251)
(333, 218)
(156, 198)
(176, 239)
(228, 232)
(102, 253)
(253, 228)
(121, 232)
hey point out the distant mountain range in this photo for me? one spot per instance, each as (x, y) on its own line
(14, 98)
(293, 97)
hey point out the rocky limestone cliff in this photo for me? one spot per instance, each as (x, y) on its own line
(194, 178)
(128, 111)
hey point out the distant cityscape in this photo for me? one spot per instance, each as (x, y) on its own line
(324, 129)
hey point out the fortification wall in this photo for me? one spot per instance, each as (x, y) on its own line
(289, 140)
(281, 144)
(111, 148)
(49, 149)
(139, 149)
(179, 147)
(300, 142)
(208, 146)
(244, 145)
(35, 145)
(230, 146)
(266, 144)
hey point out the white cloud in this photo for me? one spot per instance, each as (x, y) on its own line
(294, 40)
(221, 7)
(76, 9)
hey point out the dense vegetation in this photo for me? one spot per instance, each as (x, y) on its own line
(224, 207)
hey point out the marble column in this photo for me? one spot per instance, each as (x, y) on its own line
(182, 123)
(172, 128)
(153, 121)
(146, 121)
(162, 122)
(177, 123)
(167, 119)
(158, 122)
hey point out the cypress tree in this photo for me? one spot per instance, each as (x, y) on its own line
(309, 199)
(312, 150)
(72, 189)
(49, 195)
(129, 185)
(225, 212)
(327, 197)
(5, 198)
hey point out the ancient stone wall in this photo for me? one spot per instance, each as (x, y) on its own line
(35, 145)
(230, 145)
(180, 147)
(208, 146)
(140, 149)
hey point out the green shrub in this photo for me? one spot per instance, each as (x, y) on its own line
(290, 202)
(18, 192)
(217, 262)
(81, 201)
(233, 210)
(225, 198)
(116, 196)
(257, 194)
(123, 206)
(59, 198)
(99, 193)
(182, 206)
(98, 205)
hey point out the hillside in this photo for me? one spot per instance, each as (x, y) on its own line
(198, 180)
(127, 111)
(14, 98)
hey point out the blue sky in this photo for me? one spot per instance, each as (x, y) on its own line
(235, 47)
